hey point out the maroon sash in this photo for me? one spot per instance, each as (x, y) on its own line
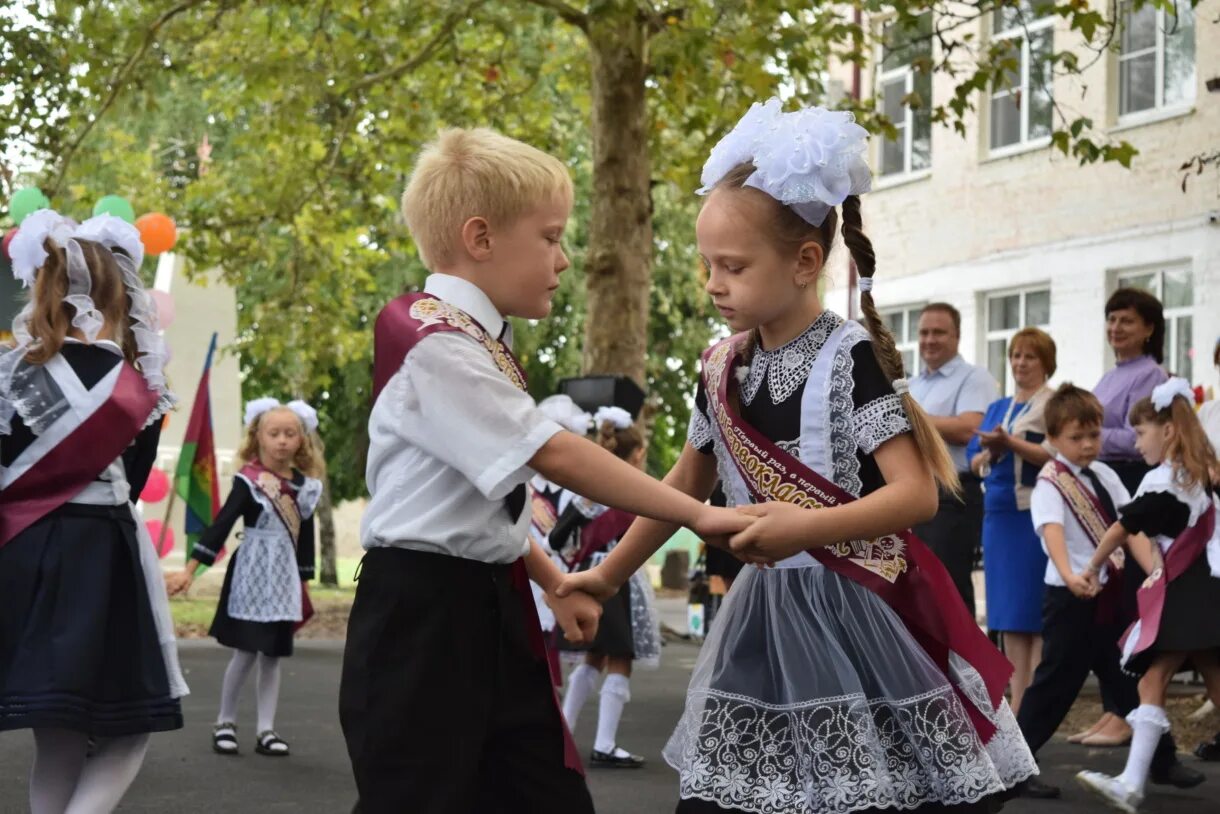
(64, 471)
(1187, 547)
(399, 328)
(601, 531)
(281, 493)
(898, 567)
(1093, 518)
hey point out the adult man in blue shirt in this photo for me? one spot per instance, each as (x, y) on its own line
(955, 394)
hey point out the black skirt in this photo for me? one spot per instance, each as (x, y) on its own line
(78, 643)
(268, 638)
(1189, 620)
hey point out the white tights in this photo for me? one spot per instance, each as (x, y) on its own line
(267, 687)
(64, 781)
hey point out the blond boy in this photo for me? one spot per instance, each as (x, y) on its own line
(446, 701)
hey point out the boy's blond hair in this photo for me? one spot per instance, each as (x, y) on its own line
(469, 173)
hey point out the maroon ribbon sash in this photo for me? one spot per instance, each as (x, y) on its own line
(1187, 547)
(899, 567)
(601, 531)
(281, 492)
(80, 457)
(1093, 518)
(399, 328)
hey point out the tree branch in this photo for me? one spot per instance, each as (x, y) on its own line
(117, 84)
(566, 13)
(438, 39)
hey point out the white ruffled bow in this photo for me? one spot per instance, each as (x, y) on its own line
(619, 418)
(1163, 394)
(257, 407)
(811, 159)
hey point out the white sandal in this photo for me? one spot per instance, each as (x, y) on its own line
(224, 739)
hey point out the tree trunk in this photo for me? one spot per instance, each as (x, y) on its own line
(619, 259)
(328, 573)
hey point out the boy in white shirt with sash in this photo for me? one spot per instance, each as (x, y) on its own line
(446, 702)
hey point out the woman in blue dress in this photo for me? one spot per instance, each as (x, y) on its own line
(1008, 452)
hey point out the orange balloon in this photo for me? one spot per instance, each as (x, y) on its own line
(157, 232)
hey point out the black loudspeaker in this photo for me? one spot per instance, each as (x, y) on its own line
(591, 392)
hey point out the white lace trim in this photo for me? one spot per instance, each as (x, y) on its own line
(879, 421)
(839, 411)
(787, 367)
(699, 431)
(841, 754)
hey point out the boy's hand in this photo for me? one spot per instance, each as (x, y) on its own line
(577, 615)
(593, 582)
(1080, 585)
(178, 582)
(779, 531)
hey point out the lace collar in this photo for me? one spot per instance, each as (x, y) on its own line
(787, 367)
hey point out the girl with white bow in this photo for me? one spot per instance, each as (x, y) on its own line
(263, 600)
(629, 632)
(87, 645)
(1170, 529)
(849, 677)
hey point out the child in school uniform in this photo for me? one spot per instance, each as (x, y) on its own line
(446, 703)
(1072, 505)
(1170, 529)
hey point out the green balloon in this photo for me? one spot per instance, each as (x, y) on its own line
(26, 202)
(117, 206)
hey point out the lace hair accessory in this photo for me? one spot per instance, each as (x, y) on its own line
(866, 284)
(617, 416)
(565, 412)
(257, 407)
(1164, 394)
(810, 159)
(29, 255)
(901, 386)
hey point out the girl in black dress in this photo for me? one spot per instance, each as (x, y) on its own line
(263, 600)
(1170, 529)
(87, 648)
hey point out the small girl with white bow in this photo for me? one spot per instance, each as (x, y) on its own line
(1170, 528)
(629, 630)
(849, 677)
(263, 600)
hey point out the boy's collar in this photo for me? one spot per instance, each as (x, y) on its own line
(471, 299)
(1076, 468)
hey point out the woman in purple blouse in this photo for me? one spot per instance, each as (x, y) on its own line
(1135, 328)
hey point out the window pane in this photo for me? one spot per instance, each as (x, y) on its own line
(1004, 313)
(1137, 83)
(1038, 308)
(1144, 281)
(1040, 80)
(1177, 289)
(1139, 29)
(908, 362)
(921, 124)
(893, 151)
(903, 43)
(1022, 13)
(1180, 55)
(997, 362)
(1182, 342)
(1005, 121)
(913, 324)
(894, 322)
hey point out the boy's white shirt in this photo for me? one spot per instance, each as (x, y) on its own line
(449, 437)
(1047, 505)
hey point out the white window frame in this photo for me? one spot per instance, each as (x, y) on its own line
(1023, 33)
(910, 312)
(1173, 338)
(907, 126)
(1159, 107)
(1007, 385)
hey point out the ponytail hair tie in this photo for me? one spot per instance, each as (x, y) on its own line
(866, 284)
(901, 386)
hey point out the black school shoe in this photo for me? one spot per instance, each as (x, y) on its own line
(1209, 750)
(1178, 776)
(609, 760)
(1035, 789)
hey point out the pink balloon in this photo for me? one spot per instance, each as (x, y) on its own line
(157, 486)
(154, 531)
(165, 308)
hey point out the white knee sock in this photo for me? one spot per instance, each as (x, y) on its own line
(1148, 724)
(108, 774)
(268, 691)
(581, 683)
(59, 758)
(235, 677)
(616, 692)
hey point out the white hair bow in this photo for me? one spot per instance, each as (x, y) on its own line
(257, 407)
(563, 411)
(1163, 394)
(617, 416)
